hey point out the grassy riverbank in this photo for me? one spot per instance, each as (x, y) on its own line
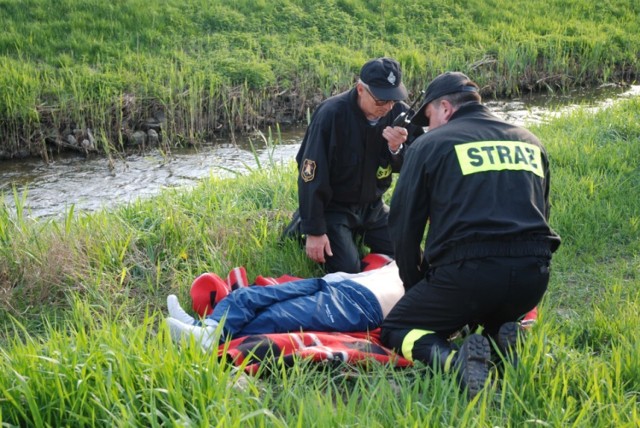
(82, 340)
(97, 76)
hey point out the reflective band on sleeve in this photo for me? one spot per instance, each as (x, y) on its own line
(410, 339)
(482, 156)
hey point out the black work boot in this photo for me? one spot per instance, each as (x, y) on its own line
(472, 363)
(507, 341)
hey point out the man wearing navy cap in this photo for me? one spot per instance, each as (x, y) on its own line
(482, 185)
(345, 163)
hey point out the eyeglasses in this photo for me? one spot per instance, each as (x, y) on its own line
(377, 101)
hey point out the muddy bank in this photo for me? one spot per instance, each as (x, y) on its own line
(137, 125)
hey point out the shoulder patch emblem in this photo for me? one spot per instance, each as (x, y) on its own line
(308, 171)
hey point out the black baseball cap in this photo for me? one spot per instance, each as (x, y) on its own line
(384, 79)
(447, 83)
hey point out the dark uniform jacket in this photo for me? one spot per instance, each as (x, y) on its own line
(343, 160)
(483, 186)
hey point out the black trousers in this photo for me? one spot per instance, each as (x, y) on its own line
(487, 292)
(347, 224)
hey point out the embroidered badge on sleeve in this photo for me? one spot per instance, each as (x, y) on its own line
(308, 171)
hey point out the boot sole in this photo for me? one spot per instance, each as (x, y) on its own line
(508, 336)
(473, 363)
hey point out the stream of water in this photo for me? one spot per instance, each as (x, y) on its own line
(91, 184)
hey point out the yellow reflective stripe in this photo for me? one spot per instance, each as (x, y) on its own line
(410, 339)
(482, 156)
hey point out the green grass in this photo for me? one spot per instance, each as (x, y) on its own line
(82, 340)
(205, 66)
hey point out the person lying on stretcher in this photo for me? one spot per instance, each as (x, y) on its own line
(336, 302)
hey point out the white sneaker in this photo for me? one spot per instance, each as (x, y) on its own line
(205, 336)
(176, 311)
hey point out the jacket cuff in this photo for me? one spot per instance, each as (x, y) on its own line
(397, 152)
(314, 227)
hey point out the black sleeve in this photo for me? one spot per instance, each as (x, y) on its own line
(314, 185)
(409, 215)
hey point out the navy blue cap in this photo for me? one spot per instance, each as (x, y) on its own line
(384, 79)
(447, 83)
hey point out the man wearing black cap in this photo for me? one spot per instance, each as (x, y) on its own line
(483, 186)
(345, 162)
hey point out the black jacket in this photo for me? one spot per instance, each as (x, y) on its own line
(483, 186)
(343, 159)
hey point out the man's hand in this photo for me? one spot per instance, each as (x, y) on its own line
(317, 246)
(395, 137)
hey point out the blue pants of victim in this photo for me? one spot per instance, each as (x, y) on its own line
(308, 304)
